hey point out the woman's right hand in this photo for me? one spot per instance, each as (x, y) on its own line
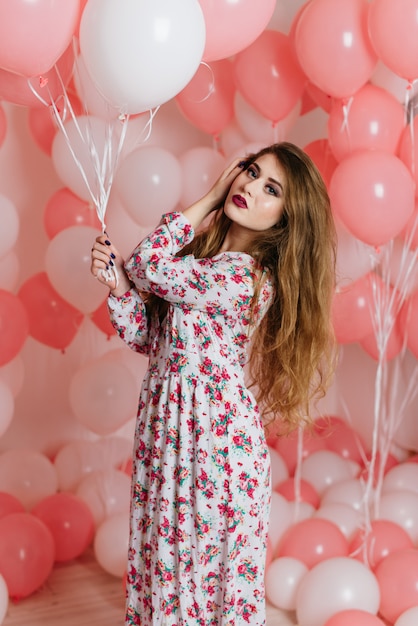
(107, 265)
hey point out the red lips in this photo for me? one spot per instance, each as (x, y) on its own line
(239, 201)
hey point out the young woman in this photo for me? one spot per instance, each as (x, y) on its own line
(245, 301)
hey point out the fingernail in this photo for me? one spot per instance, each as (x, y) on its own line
(241, 164)
(111, 262)
(107, 267)
(113, 255)
(107, 242)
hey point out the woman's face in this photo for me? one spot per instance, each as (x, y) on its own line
(256, 199)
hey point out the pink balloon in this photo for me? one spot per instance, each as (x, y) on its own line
(14, 326)
(28, 475)
(332, 35)
(373, 545)
(75, 460)
(65, 209)
(101, 319)
(289, 488)
(325, 468)
(312, 541)
(401, 507)
(374, 120)
(106, 493)
(268, 75)
(364, 189)
(354, 257)
(16, 89)
(397, 576)
(26, 553)
(320, 152)
(410, 233)
(345, 441)
(111, 544)
(70, 522)
(3, 125)
(386, 20)
(207, 101)
(408, 150)
(353, 309)
(10, 504)
(390, 348)
(33, 35)
(52, 320)
(354, 616)
(287, 447)
(42, 123)
(233, 26)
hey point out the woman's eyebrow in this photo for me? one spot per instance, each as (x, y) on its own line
(272, 180)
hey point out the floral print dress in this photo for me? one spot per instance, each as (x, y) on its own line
(201, 472)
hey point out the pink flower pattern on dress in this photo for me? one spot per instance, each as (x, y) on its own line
(201, 471)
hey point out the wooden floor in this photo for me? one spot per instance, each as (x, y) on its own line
(80, 593)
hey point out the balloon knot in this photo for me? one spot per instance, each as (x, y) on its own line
(43, 81)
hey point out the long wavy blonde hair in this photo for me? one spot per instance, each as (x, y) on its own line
(292, 350)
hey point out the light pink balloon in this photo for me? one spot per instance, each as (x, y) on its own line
(33, 35)
(349, 491)
(13, 374)
(337, 584)
(75, 460)
(282, 579)
(10, 225)
(402, 477)
(3, 125)
(9, 272)
(373, 120)
(332, 35)
(255, 127)
(320, 152)
(280, 518)
(364, 189)
(111, 544)
(279, 469)
(106, 492)
(408, 617)
(353, 309)
(103, 396)
(354, 257)
(148, 182)
(4, 599)
(7, 406)
(343, 515)
(408, 150)
(386, 20)
(28, 475)
(354, 616)
(233, 26)
(200, 168)
(67, 263)
(324, 468)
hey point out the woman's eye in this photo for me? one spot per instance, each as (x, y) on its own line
(252, 172)
(272, 190)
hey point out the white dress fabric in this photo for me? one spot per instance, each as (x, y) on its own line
(201, 470)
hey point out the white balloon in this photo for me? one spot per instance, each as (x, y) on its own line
(335, 585)
(323, 468)
(106, 493)
(200, 169)
(282, 579)
(280, 518)
(7, 406)
(111, 544)
(342, 515)
(351, 492)
(140, 54)
(402, 477)
(279, 469)
(77, 459)
(408, 618)
(401, 507)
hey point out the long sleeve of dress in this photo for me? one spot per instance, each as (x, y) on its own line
(221, 285)
(129, 318)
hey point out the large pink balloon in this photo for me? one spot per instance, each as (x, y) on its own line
(354, 616)
(373, 545)
(312, 541)
(320, 152)
(333, 46)
(52, 320)
(387, 20)
(268, 75)
(353, 309)
(14, 326)
(26, 553)
(374, 120)
(233, 26)
(3, 125)
(408, 150)
(70, 522)
(65, 209)
(397, 576)
(33, 35)
(364, 190)
(125, 48)
(208, 99)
